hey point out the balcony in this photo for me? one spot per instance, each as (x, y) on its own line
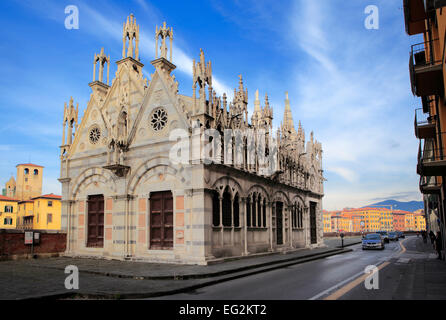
(431, 157)
(431, 5)
(426, 71)
(414, 16)
(424, 125)
(430, 185)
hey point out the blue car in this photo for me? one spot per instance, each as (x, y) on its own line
(393, 236)
(373, 241)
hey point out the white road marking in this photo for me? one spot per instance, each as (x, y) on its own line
(336, 286)
(403, 260)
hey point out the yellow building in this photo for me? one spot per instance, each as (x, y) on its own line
(29, 181)
(327, 221)
(47, 212)
(8, 212)
(386, 220)
(40, 213)
(409, 223)
(419, 222)
(25, 215)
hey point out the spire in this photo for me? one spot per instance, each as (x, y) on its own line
(70, 119)
(102, 59)
(130, 32)
(164, 32)
(257, 103)
(288, 123)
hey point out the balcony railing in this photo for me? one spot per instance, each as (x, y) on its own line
(430, 185)
(430, 5)
(426, 71)
(431, 156)
(424, 124)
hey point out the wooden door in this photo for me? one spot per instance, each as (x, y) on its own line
(95, 227)
(313, 229)
(161, 220)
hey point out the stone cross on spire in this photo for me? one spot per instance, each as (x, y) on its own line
(130, 32)
(163, 32)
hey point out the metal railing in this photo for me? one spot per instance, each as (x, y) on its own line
(423, 53)
(432, 149)
(422, 118)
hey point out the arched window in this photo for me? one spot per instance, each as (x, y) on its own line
(299, 216)
(227, 210)
(36, 172)
(26, 171)
(122, 125)
(236, 211)
(248, 211)
(259, 211)
(264, 213)
(254, 211)
(215, 209)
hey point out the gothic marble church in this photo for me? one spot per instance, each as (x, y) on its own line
(125, 195)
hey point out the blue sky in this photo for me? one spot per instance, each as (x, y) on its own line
(348, 84)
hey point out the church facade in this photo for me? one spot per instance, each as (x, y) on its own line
(153, 175)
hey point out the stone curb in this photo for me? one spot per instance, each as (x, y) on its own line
(198, 275)
(241, 273)
(350, 244)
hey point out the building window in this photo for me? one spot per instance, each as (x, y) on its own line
(248, 211)
(95, 134)
(49, 218)
(26, 171)
(8, 209)
(215, 209)
(227, 210)
(158, 119)
(264, 213)
(36, 172)
(50, 203)
(236, 210)
(254, 210)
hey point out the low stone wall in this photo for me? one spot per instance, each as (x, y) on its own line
(12, 244)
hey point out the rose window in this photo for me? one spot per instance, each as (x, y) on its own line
(158, 119)
(95, 135)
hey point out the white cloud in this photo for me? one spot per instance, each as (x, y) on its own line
(352, 88)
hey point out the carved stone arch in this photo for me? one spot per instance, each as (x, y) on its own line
(298, 199)
(88, 176)
(260, 190)
(178, 171)
(234, 187)
(281, 196)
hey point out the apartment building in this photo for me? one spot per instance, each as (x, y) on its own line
(427, 75)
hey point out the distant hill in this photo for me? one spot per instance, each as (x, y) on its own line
(399, 205)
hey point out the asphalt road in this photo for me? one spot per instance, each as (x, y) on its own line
(317, 279)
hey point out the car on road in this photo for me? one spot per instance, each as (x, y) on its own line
(385, 235)
(401, 235)
(373, 241)
(393, 236)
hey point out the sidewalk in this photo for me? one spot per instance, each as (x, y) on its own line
(335, 242)
(415, 274)
(123, 279)
(424, 276)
